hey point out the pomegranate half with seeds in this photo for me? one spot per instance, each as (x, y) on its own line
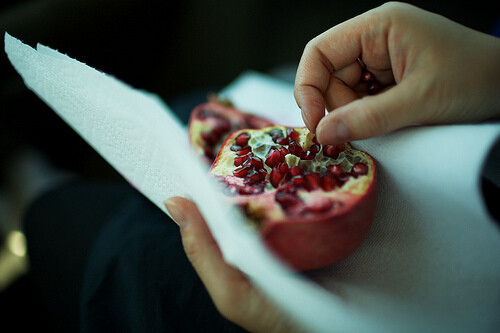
(210, 124)
(313, 204)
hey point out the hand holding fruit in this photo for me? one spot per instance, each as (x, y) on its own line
(233, 293)
(431, 70)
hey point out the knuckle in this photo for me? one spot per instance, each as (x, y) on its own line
(394, 7)
(313, 53)
(396, 12)
(310, 45)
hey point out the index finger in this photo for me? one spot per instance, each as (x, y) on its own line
(333, 50)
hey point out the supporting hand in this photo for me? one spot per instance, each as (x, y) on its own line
(234, 295)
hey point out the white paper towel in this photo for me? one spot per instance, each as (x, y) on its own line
(430, 263)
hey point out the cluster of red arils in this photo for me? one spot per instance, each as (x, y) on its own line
(219, 130)
(313, 204)
(210, 124)
(316, 167)
(373, 85)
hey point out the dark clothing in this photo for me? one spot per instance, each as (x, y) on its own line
(107, 260)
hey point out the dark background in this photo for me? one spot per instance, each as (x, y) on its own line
(167, 47)
(176, 49)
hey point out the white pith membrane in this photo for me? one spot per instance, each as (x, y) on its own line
(263, 206)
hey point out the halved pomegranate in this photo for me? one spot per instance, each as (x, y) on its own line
(312, 204)
(212, 122)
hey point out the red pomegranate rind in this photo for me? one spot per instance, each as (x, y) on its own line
(331, 237)
(210, 124)
(312, 209)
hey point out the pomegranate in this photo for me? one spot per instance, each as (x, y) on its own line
(313, 204)
(212, 122)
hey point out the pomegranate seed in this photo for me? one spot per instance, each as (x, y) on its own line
(275, 177)
(359, 169)
(315, 140)
(210, 137)
(311, 181)
(292, 135)
(307, 155)
(336, 170)
(241, 171)
(374, 88)
(239, 160)
(328, 182)
(288, 187)
(333, 151)
(282, 141)
(298, 181)
(367, 77)
(315, 148)
(295, 171)
(252, 177)
(254, 162)
(242, 139)
(294, 148)
(283, 168)
(262, 172)
(274, 158)
(249, 190)
(283, 151)
(257, 162)
(276, 134)
(245, 150)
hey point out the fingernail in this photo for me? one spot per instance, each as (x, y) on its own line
(331, 133)
(176, 213)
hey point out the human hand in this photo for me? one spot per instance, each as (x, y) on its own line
(433, 70)
(234, 295)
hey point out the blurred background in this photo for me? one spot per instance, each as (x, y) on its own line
(181, 50)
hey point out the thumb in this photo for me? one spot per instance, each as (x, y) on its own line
(232, 292)
(199, 245)
(371, 115)
(203, 252)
